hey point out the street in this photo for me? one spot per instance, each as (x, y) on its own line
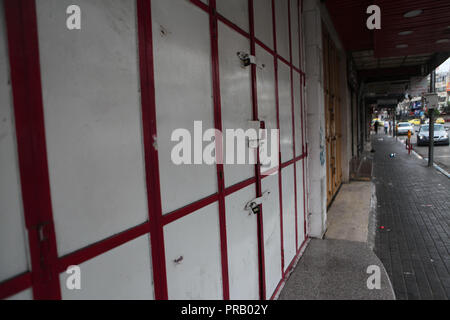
(441, 153)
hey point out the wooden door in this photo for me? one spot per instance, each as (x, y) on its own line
(332, 115)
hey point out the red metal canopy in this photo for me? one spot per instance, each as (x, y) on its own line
(430, 29)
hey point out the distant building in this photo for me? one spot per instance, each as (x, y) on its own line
(441, 88)
(448, 88)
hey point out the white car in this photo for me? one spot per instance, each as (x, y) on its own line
(440, 135)
(404, 127)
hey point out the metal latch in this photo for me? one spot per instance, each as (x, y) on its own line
(253, 206)
(254, 125)
(246, 59)
(261, 134)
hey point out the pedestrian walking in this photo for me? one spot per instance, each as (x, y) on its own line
(376, 127)
(386, 127)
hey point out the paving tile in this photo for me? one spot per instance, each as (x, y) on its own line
(413, 203)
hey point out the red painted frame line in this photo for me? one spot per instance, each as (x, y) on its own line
(218, 125)
(101, 247)
(246, 34)
(260, 224)
(290, 162)
(201, 5)
(117, 240)
(146, 67)
(233, 26)
(293, 120)
(157, 221)
(253, 40)
(270, 172)
(15, 285)
(191, 208)
(265, 47)
(289, 268)
(302, 108)
(240, 186)
(277, 103)
(21, 24)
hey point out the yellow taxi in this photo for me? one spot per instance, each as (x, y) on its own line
(380, 122)
(440, 121)
(415, 122)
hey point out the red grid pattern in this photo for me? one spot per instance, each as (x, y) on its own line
(29, 120)
(24, 57)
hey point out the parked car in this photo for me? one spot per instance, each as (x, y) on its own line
(440, 121)
(415, 122)
(380, 122)
(404, 127)
(440, 135)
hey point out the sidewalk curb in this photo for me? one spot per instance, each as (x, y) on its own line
(438, 168)
(371, 235)
(388, 279)
(294, 265)
(372, 228)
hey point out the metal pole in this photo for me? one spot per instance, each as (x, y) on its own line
(394, 124)
(431, 123)
(433, 82)
(431, 138)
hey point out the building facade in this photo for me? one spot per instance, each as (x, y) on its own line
(441, 89)
(87, 151)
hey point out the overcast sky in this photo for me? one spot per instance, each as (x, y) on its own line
(445, 67)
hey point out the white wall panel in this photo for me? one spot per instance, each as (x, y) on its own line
(124, 273)
(288, 215)
(282, 26)
(242, 241)
(272, 237)
(300, 204)
(295, 33)
(236, 11)
(263, 21)
(285, 103)
(21, 296)
(13, 248)
(297, 114)
(236, 97)
(195, 238)
(183, 84)
(303, 106)
(93, 120)
(265, 76)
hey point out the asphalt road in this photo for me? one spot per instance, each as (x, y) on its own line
(441, 153)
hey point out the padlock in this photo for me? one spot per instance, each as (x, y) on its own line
(254, 206)
(256, 209)
(246, 59)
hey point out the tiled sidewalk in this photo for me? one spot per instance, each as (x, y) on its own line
(413, 217)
